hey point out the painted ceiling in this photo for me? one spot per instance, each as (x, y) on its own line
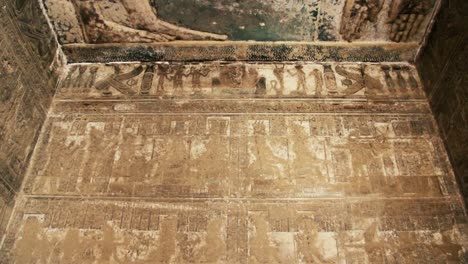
(166, 21)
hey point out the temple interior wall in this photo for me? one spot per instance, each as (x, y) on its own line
(27, 84)
(278, 154)
(442, 65)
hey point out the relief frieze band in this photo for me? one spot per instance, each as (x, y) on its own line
(241, 80)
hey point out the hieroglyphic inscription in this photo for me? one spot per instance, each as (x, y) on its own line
(238, 156)
(334, 231)
(27, 85)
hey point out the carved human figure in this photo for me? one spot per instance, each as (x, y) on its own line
(318, 81)
(68, 81)
(131, 21)
(400, 79)
(81, 79)
(92, 78)
(236, 74)
(278, 71)
(413, 83)
(178, 76)
(388, 79)
(197, 73)
(163, 74)
(260, 89)
(301, 78)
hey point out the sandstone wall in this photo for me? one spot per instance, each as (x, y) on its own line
(26, 88)
(443, 67)
(239, 163)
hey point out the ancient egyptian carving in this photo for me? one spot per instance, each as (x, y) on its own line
(355, 14)
(131, 21)
(147, 81)
(398, 83)
(35, 28)
(122, 82)
(163, 74)
(279, 74)
(330, 79)
(406, 17)
(301, 78)
(197, 73)
(249, 80)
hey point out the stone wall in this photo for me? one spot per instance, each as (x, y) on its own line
(443, 67)
(239, 163)
(27, 85)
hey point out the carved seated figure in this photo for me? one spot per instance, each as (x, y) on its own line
(131, 21)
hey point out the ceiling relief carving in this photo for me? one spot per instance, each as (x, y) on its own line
(150, 21)
(402, 22)
(406, 17)
(122, 21)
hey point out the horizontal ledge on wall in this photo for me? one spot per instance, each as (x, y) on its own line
(242, 51)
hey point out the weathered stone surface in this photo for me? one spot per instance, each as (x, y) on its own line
(443, 66)
(130, 21)
(227, 152)
(333, 231)
(218, 164)
(188, 30)
(242, 80)
(27, 85)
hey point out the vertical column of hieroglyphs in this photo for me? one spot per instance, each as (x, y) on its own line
(26, 89)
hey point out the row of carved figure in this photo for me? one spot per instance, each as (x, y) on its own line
(256, 80)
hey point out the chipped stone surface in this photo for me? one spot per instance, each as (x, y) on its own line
(221, 163)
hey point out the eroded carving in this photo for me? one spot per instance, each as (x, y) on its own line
(131, 21)
(207, 80)
(355, 14)
(406, 17)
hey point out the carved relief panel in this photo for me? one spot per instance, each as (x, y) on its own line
(241, 80)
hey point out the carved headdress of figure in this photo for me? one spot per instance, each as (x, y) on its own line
(107, 21)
